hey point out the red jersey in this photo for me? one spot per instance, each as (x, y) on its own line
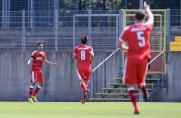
(83, 54)
(38, 59)
(138, 38)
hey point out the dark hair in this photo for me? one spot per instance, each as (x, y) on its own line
(38, 44)
(84, 39)
(140, 15)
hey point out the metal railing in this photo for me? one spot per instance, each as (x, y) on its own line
(62, 28)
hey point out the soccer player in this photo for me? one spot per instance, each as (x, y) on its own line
(137, 37)
(37, 78)
(84, 55)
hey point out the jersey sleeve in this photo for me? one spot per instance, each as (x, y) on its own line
(124, 36)
(33, 55)
(91, 51)
(149, 27)
(75, 51)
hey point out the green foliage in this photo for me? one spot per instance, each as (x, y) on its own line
(90, 4)
(115, 4)
(164, 4)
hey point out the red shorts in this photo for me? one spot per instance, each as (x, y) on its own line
(37, 76)
(84, 72)
(135, 71)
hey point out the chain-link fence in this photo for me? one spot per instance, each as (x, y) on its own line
(175, 23)
(62, 28)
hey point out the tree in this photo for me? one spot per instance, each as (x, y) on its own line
(115, 4)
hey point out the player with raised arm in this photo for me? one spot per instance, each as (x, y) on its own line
(84, 55)
(137, 37)
(37, 58)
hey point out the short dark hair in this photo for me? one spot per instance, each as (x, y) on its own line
(140, 15)
(38, 44)
(84, 39)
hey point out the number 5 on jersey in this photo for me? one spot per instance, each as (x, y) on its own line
(141, 39)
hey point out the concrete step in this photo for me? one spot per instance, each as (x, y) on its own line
(154, 72)
(112, 94)
(149, 85)
(120, 88)
(147, 79)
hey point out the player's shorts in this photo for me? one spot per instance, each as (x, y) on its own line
(135, 71)
(37, 77)
(84, 72)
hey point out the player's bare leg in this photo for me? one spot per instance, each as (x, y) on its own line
(84, 97)
(86, 92)
(36, 92)
(132, 94)
(145, 93)
(31, 92)
(84, 85)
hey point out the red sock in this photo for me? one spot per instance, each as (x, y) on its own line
(36, 91)
(83, 86)
(30, 92)
(132, 95)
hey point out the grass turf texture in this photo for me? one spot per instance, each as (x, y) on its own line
(87, 110)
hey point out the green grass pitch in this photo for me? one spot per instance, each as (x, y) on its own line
(88, 110)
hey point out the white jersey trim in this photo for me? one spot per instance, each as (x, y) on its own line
(33, 52)
(33, 76)
(80, 78)
(92, 53)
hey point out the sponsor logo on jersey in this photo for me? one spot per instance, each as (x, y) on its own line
(39, 58)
